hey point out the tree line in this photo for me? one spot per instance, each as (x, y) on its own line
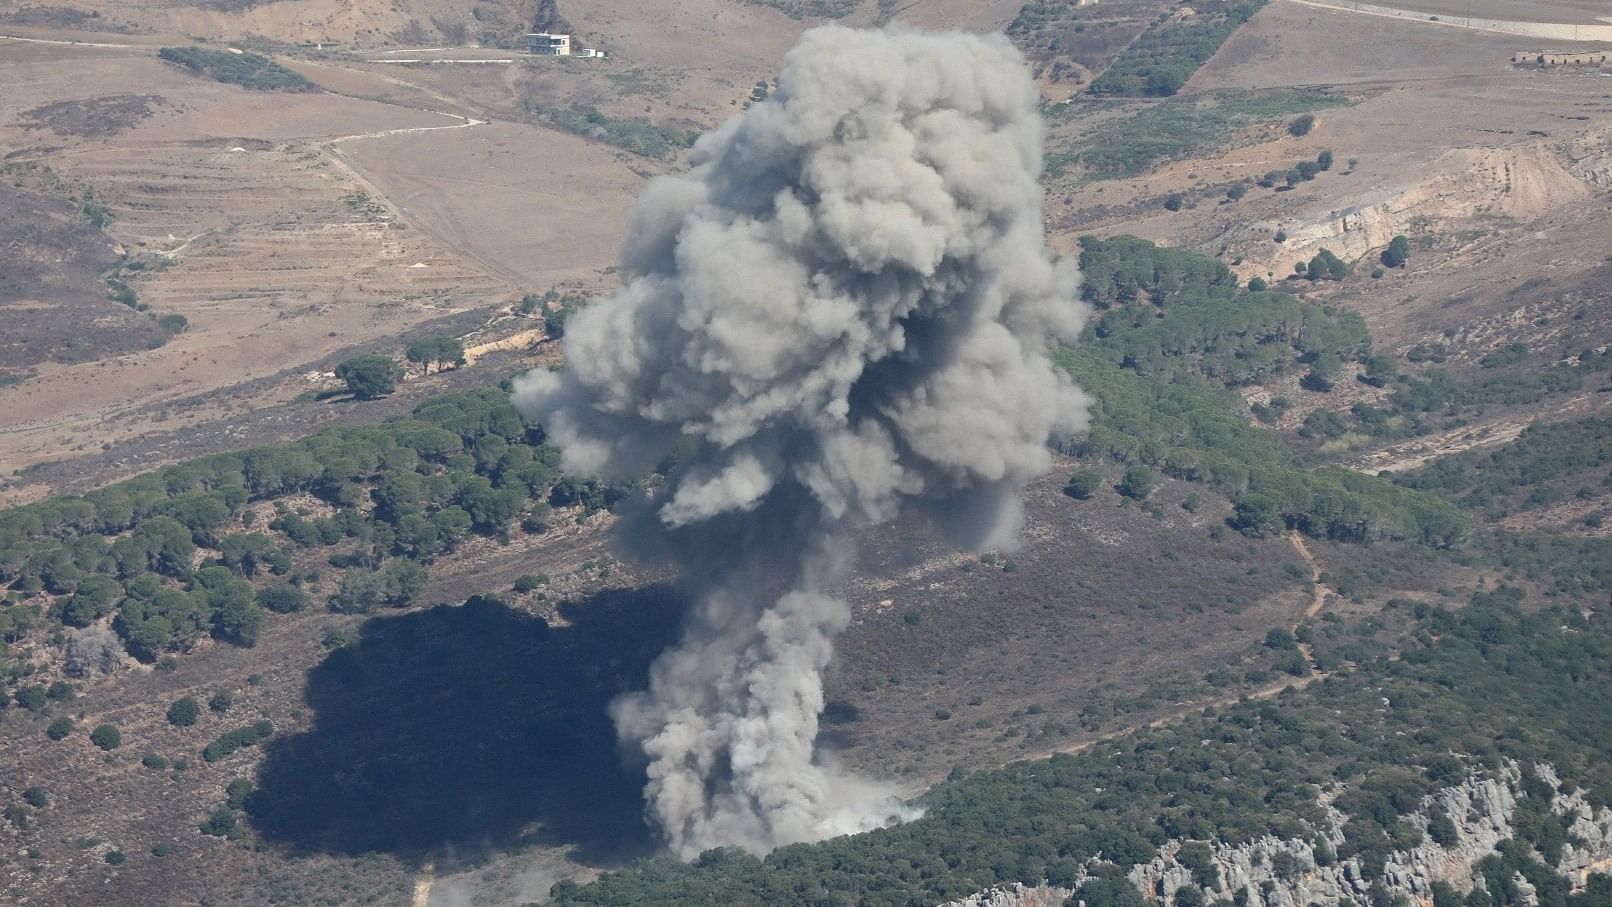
(180, 553)
(1469, 691)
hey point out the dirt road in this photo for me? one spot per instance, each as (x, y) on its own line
(1318, 601)
(1548, 31)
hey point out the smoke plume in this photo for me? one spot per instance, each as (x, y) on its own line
(842, 309)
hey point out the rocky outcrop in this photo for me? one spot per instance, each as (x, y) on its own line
(1285, 872)
(94, 649)
(1521, 181)
(1016, 895)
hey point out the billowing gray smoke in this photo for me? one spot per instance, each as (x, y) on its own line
(845, 306)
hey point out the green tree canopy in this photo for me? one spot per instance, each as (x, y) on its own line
(438, 350)
(369, 377)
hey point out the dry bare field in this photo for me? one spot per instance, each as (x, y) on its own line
(1500, 176)
(290, 230)
(244, 213)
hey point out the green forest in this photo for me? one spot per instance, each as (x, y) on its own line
(1471, 689)
(1174, 333)
(1161, 60)
(213, 547)
(351, 519)
(185, 551)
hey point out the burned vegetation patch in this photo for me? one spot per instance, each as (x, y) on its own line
(55, 305)
(93, 117)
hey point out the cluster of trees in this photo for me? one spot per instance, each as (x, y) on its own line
(1193, 431)
(555, 309)
(396, 495)
(1303, 171)
(1239, 340)
(438, 350)
(637, 136)
(1326, 265)
(1567, 566)
(1470, 691)
(247, 70)
(1528, 470)
(1179, 128)
(1175, 331)
(1419, 404)
(1124, 270)
(1165, 56)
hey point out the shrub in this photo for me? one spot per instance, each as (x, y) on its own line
(231, 741)
(59, 729)
(114, 857)
(222, 823)
(1136, 483)
(1161, 60)
(221, 702)
(1083, 483)
(184, 712)
(282, 598)
(1397, 253)
(1174, 201)
(153, 761)
(33, 698)
(236, 793)
(106, 736)
(36, 797)
(1301, 125)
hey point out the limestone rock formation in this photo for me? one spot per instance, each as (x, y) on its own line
(1278, 872)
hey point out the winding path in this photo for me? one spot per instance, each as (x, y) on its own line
(1545, 31)
(1318, 602)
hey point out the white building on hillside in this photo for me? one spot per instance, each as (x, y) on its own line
(546, 45)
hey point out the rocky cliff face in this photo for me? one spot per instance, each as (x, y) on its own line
(1276, 872)
(1016, 895)
(1523, 181)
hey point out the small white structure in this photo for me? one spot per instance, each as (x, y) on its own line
(593, 52)
(547, 45)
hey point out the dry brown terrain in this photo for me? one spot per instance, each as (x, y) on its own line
(1498, 174)
(292, 230)
(283, 228)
